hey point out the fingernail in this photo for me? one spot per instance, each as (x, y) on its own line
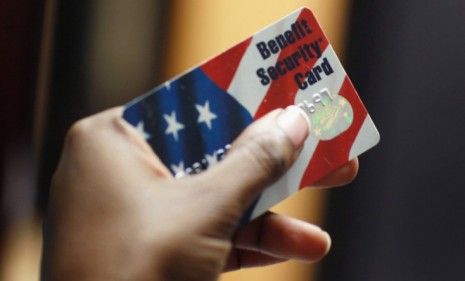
(294, 123)
(328, 242)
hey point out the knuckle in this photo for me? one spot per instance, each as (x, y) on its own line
(92, 127)
(268, 155)
(79, 131)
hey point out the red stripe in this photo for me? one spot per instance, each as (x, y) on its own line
(222, 68)
(332, 154)
(283, 90)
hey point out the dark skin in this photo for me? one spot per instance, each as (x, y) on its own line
(116, 213)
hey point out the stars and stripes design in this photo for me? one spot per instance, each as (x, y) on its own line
(191, 120)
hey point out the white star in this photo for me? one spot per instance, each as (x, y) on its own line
(211, 159)
(178, 170)
(205, 115)
(141, 130)
(173, 125)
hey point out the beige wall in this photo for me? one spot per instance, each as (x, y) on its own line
(200, 29)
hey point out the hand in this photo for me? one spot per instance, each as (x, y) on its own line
(115, 212)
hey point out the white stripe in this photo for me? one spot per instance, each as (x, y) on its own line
(333, 82)
(246, 86)
(290, 182)
(367, 137)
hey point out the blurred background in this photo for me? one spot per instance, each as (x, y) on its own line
(402, 219)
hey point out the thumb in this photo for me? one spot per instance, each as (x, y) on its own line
(258, 157)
